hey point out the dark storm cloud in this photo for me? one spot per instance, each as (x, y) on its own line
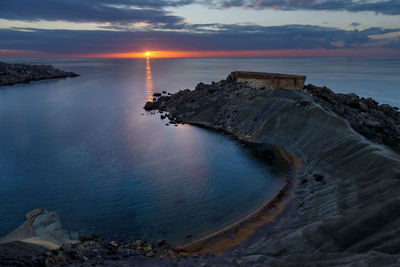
(113, 11)
(225, 38)
(388, 7)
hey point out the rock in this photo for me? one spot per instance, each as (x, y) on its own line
(161, 243)
(138, 243)
(147, 248)
(113, 243)
(182, 255)
(33, 213)
(41, 227)
(150, 106)
(157, 94)
(164, 92)
(318, 177)
(363, 106)
(304, 181)
(163, 117)
(150, 254)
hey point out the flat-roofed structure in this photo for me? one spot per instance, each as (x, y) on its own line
(270, 80)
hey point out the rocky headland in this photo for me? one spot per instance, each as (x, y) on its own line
(343, 206)
(340, 205)
(22, 73)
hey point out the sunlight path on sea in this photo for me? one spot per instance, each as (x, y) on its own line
(149, 87)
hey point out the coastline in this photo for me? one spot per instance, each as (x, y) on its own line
(234, 234)
(338, 207)
(11, 74)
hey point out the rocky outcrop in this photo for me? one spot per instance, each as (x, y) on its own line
(42, 228)
(345, 203)
(92, 251)
(379, 123)
(23, 73)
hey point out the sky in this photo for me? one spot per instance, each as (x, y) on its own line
(200, 28)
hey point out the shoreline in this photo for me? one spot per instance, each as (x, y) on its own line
(234, 234)
(340, 208)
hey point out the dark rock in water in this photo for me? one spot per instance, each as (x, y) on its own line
(22, 73)
(157, 94)
(163, 117)
(150, 106)
(164, 92)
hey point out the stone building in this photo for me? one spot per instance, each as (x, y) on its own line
(270, 80)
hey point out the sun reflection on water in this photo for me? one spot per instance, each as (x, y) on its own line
(149, 87)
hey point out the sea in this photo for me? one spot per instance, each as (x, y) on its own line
(85, 148)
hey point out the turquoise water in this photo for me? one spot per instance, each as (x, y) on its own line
(83, 148)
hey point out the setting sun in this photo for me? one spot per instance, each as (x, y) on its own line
(147, 53)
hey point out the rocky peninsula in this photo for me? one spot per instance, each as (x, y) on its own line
(340, 205)
(343, 205)
(22, 73)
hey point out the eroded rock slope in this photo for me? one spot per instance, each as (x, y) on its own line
(345, 203)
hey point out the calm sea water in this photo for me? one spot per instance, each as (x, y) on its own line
(83, 148)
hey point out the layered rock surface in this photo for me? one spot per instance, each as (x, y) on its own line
(345, 204)
(23, 73)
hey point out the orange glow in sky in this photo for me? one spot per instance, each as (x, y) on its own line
(252, 53)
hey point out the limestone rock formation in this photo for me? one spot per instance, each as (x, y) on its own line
(352, 215)
(41, 227)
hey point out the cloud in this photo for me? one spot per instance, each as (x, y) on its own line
(112, 11)
(388, 7)
(200, 37)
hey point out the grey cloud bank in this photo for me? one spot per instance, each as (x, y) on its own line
(228, 37)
